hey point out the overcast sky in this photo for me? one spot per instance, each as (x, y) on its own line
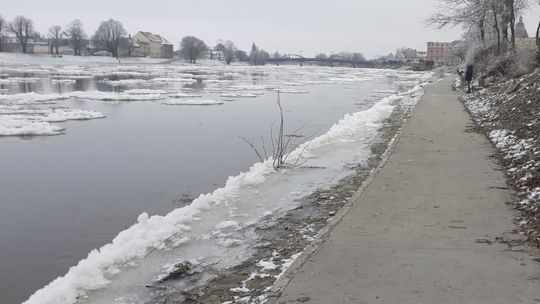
(313, 26)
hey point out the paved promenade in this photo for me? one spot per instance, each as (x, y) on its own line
(418, 232)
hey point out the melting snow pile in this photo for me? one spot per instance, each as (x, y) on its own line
(510, 114)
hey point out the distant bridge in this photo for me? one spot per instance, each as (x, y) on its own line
(329, 61)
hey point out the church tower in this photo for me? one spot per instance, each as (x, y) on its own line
(521, 31)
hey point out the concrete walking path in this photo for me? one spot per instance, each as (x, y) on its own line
(416, 234)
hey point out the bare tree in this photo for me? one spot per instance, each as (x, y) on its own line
(282, 145)
(3, 28)
(242, 55)
(258, 56)
(358, 57)
(496, 8)
(219, 48)
(476, 15)
(108, 35)
(55, 34)
(192, 48)
(459, 12)
(23, 28)
(76, 36)
(538, 41)
(229, 51)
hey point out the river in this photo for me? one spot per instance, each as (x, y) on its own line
(65, 194)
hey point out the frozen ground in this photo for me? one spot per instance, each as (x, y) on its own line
(214, 228)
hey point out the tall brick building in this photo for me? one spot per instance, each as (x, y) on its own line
(438, 52)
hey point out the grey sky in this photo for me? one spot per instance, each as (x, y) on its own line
(371, 27)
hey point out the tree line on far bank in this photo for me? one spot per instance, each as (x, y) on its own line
(111, 36)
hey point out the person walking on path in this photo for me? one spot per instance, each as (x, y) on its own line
(469, 77)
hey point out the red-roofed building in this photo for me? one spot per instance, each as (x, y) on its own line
(151, 45)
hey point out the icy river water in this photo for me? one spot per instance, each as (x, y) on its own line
(154, 137)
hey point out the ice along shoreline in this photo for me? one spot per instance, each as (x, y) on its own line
(285, 239)
(132, 244)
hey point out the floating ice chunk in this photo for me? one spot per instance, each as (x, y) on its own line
(109, 96)
(123, 82)
(345, 79)
(184, 80)
(144, 92)
(10, 126)
(24, 98)
(73, 77)
(247, 87)
(193, 102)
(291, 91)
(63, 80)
(184, 95)
(21, 80)
(239, 95)
(218, 81)
(59, 115)
(128, 73)
(292, 84)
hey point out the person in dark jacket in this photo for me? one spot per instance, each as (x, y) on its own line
(469, 77)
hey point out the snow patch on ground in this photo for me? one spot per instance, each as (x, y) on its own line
(508, 112)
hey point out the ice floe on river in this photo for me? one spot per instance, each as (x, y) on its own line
(15, 121)
(198, 85)
(193, 102)
(22, 126)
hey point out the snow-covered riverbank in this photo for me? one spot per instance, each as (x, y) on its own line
(509, 114)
